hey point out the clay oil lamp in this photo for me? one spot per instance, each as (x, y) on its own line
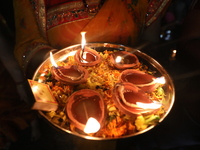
(132, 100)
(144, 81)
(71, 74)
(123, 60)
(87, 56)
(86, 108)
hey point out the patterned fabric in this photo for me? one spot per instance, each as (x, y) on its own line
(58, 23)
(155, 9)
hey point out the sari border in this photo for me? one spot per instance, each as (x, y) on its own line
(40, 12)
(154, 10)
(70, 12)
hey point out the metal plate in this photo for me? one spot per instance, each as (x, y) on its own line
(144, 58)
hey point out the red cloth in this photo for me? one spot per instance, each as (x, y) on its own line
(52, 3)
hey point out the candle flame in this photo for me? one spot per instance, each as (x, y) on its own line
(154, 105)
(92, 126)
(52, 60)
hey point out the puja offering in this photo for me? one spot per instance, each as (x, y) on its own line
(105, 91)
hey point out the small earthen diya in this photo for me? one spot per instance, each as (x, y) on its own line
(70, 74)
(85, 104)
(123, 60)
(88, 57)
(132, 100)
(144, 81)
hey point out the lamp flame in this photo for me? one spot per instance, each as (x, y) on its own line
(52, 60)
(160, 80)
(83, 40)
(173, 55)
(174, 51)
(92, 126)
(154, 105)
(118, 59)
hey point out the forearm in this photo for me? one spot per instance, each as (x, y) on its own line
(31, 47)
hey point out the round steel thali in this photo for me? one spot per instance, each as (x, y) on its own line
(150, 62)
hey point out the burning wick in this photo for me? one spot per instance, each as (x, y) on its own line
(73, 72)
(87, 56)
(123, 59)
(56, 67)
(83, 55)
(118, 59)
(154, 105)
(159, 80)
(91, 126)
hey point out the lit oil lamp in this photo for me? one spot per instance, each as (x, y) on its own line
(144, 81)
(92, 126)
(132, 100)
(87, 56)
(70, 74)
(173, 55)
(123, 60)
(83, 105)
